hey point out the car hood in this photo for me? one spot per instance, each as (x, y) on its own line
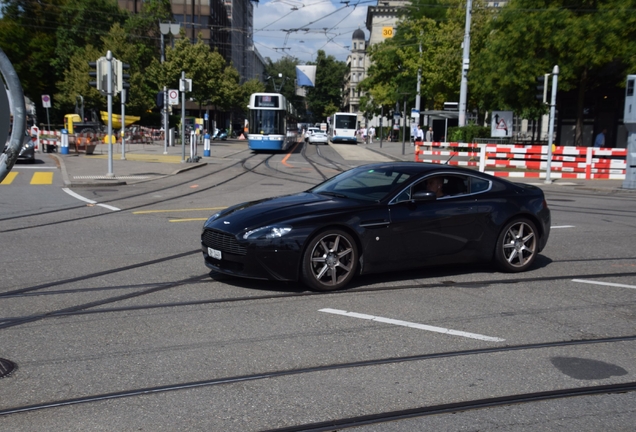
(254, 214)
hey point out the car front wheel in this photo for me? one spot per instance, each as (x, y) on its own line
(516, 246)
(330, 260)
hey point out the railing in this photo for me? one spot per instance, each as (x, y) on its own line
(528, 161)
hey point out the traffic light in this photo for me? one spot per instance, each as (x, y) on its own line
(542, 88)
(122, 77)
(99, 74)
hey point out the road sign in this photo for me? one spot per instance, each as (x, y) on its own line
(501, 124)
(173, 97)
(46, 101)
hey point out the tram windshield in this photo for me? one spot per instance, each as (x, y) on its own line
(267, 122)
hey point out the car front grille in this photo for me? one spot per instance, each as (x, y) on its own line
(224, 242)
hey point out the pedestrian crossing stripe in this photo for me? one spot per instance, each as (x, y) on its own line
(9, 178)
(38, 178)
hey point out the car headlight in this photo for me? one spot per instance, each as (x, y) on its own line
(267, 232)
(211, 218)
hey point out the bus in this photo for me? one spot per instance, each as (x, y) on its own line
(272, 122)
(343, 128)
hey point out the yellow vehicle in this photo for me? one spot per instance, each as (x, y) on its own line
(73, 124)
(117, 119)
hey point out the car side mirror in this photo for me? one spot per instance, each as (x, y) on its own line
(424, 196)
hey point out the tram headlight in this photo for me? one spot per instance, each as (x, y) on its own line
(267, 232)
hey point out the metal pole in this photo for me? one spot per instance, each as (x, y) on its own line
(463, 89)
(381, 130)
(555, 79)
(419, 81)
(123, 124)
(165, 120)
(183, 100)
(48, 122)
(109, 91)
(404, 127)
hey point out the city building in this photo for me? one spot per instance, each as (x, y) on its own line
(226, 25)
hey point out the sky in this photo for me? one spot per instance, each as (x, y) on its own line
(301, 28)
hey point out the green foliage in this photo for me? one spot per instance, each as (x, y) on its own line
(249, 87)
(527, 38)
(82, 23)
(281, 75)
(327, 92)
(27, 37)
(468, 133)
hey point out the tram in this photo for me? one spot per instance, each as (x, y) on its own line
(272, 122)
(343, 128)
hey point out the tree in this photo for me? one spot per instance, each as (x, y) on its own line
(140, 96)
(528, 38)
(330, 75)
(438, 28)
(212, 81)
(281, 76)
(82, 23)
(27, 36)
(248, 88)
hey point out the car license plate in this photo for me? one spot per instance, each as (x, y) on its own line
(216, 254)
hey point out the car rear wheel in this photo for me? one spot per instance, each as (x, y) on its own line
(517, 246)
(330, 260)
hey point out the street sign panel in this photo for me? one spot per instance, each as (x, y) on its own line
(46, 101)
(501, 124)
(173, 97)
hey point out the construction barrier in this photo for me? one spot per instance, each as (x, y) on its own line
(566, 162)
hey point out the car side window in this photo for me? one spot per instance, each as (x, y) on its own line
(478, 185)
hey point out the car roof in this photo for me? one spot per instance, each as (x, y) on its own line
(417, 168)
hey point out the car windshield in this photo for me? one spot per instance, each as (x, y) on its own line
(370, 184)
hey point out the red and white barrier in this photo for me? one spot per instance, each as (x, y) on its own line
(567, 161)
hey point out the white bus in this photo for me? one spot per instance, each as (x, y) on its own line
(343, 128)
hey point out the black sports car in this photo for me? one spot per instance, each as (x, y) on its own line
(377, 218)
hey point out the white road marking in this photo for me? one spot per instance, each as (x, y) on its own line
(604, 283)
(563, 226)
(89, 201)
(412, 325)
(109, 207)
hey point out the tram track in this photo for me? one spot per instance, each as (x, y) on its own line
(242, 163)
(368, 419)
(87, 308)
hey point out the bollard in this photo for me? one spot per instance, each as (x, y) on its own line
(193, 146)
(206, 145)
(64, 142)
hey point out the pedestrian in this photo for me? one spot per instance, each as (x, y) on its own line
(600, 139)
(371, 133)
(429, 135)
(419, 135)
(364, 135)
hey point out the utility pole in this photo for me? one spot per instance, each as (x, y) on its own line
(109, 98)
(123, 124)
(555, 79)
(463, 89)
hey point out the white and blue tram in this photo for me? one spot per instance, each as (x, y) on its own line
(272, 122)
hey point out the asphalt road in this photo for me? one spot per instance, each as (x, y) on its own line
(115, 324)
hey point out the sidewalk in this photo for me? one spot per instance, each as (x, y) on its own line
(147, 161)
(142, 162)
